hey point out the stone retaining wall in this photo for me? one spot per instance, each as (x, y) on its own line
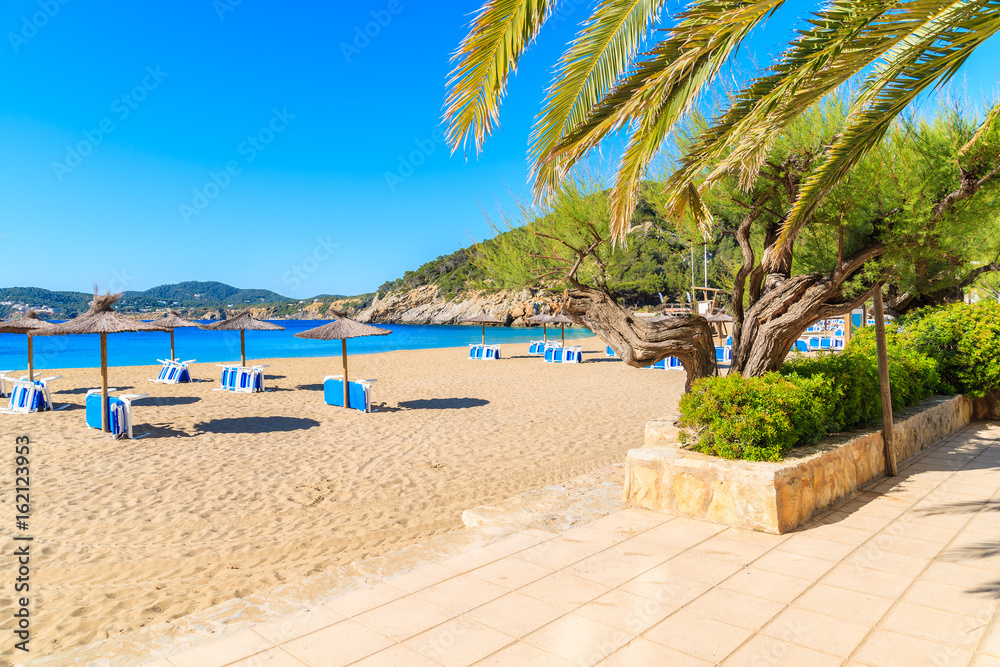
(777, 497)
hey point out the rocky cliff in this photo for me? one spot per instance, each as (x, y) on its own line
(423, 305)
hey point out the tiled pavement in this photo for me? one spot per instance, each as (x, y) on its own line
(906, 573)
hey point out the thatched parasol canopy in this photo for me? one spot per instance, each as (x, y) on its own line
(719, 317)
(29, 323)
(562, 321)
(483, 318)
(341, 329)
(543, 320)
(171, 320)
(242, 321)
(102, 319)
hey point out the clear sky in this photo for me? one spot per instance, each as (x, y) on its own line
(259, 143)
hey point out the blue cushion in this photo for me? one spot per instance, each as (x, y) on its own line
(94, 412)
(333, 394)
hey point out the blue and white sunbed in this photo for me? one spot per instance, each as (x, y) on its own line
(173, 371)
(723, 354)
(479, 351)
(800, 346)
(242, 379)
(119, 412)
(537, 347)
(608, 352)
(557, 354)
(359, 395)
(29, 396)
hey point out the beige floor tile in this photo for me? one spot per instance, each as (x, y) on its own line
(838, 533)
(984, 660)
(695, 635)
(795, 565)
(625, 611)
(300, 623)
(591, 539)
(857, 521)
(462, 593)
(891, 649)
(223, 651)
(640, 652)
(958, 575)
(991, 643)
(936, 625)
(843, 603)
(908, 546)
(701, 567)
(396, 656)
(564, 590)
(764, 584)
(511, 572)
(807, 545)
(951, 598)
(339, 644)
(819, 632)
(887, 561)
(365, 599)
(553, 554)
(459, 642)
(734, 551)
(867, 580)
(746, 611)
(516, 614)
(421, 577)
(630, 521)
(470, 560)
(274, 657)
(753, 537)
(523, 654)
(405, 617)
(578, 639)
(681, 534)
(620, 563)
(519, 542)
(764, 650)
(665, 585)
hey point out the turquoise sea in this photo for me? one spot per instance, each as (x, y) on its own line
(140, 349)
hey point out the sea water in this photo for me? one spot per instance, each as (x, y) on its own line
(142, 349)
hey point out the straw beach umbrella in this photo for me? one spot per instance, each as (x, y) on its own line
(102, 319)
(543, 320)
(27, 324)
(243, 321)
(562, 321)
(484, 319)
(341, 329)
(171, 320)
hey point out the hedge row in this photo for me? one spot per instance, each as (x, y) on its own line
(944, 350)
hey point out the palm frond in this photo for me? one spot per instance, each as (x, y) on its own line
(841, 40)
(587, 71)
(660, 90)
(929, 56)
(498, 36)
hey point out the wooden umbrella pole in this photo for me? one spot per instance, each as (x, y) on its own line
(883, 379)
(104, 383)
(343, 350)
(545, 334)
(484, 333)
(243, 349)
(31, 359)
(172, 355)
(562, 327)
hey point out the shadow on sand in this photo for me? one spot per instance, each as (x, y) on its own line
(256, 425)
(442, 404)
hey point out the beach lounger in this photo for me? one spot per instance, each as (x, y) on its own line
(119, 412)
(608, 352)
(723, 354)
(28, 396)
(492, 351)
(564, 355)
(813, 343)
(659, 365)
(825, 344)
(479, 351)
(536, 348)
(838, 343)
(358, 393)
(673, 363)
(800, 346)
(4, 391)
(173, 371)
(242, 379)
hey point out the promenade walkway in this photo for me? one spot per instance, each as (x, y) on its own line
(906, 573)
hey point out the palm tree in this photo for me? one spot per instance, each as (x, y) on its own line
(620, 74)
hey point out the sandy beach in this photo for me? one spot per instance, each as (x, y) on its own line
(231, 494)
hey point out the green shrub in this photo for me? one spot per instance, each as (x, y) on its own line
(855, 379)
(758, 418)
(913, 375)
(964, 340)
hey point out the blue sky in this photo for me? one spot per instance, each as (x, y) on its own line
(262, 144)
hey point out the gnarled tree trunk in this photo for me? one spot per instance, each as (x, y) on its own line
(640, 342)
